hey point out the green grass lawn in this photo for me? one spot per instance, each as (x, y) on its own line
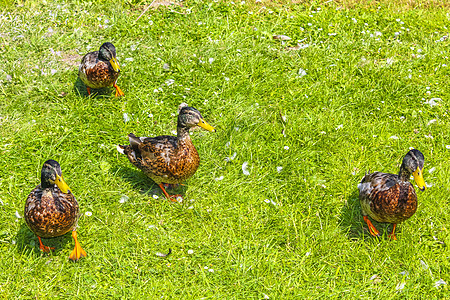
(365, 84)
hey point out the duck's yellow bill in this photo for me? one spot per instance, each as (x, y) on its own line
(115, 64)
(62, 184)
(418, 178)
(206, 126)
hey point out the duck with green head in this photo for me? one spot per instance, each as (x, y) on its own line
(100, 69)
(51, 209)
(168, 159)
(391, 198)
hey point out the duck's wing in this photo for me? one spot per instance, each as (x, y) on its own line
(376, 181)
(153, 155)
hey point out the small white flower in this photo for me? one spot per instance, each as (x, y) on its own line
(219, 178)
(18, 215)
(400, 286)
(190, 251)
(373, 277)
(150, 115)
(231, 157)
(267, 200)
(439, 283)
(447, 146)
(88, 213)
(354, 20)
(394, 137)
(126, 118)
(404, 273)
(340, 127)
(191, 207)
(322, 132)
(301, 73)
(431, 122)
(433, 101)
(211, 270)
(279, 169)
(211, 60)
(123, 199)
(169, 82)
(244, 168)
(429, 136)
(227, 79)
(155, 197)
(286, 147)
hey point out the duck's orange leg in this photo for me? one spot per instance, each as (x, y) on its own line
(373, 231)
(46, 249)
(169, 197)
(118, 90)
(77, 252)
(89, 90)
(392, 234)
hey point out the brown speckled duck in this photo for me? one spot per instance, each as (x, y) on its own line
(168, 159)
(100, 69)
(51, 209)
(391, 198)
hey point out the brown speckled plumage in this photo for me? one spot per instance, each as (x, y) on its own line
(391, 198)
(50, 213)
(167, 159)
(95, 73)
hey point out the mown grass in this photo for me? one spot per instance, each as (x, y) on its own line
(355, 97)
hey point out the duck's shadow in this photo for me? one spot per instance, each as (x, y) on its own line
(352, 223)
(80, 88)
(143, 184)
(27, 241)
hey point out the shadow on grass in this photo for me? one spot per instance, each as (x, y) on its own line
(80, 88)
(352, 223)
(143, 184)
(26, 241)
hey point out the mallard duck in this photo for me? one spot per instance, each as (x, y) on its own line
(391, 198)
(168, 159)
(100, 69)
(51, 209)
